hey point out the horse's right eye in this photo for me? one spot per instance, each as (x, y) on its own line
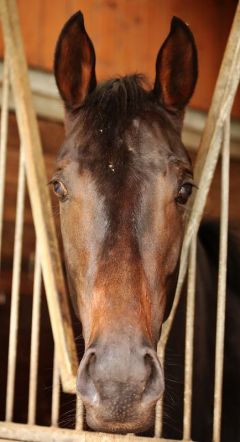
(60, 190)
(184, 193)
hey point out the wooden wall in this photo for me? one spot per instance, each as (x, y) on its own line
(127, 34)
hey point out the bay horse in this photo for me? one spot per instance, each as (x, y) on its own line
(123, 179)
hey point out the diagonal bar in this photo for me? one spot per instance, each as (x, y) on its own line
(15, 294)
(222, 279)
(3, 142)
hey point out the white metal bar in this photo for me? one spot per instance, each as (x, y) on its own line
(55, 391)
(36, 433)
(12, 354)
(79, 414)
(222, 276)
(190, 309)
(32, 396)
(159, 405)
(3, 142)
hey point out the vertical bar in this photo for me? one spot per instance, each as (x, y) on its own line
(79, 414)
(3, 142)
(190, 308)
(222, 274)
(159, 406)
(34, 339)
(12, 353)
(55, 391)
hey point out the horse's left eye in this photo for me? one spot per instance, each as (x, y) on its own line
(184, 193)
(59, 189)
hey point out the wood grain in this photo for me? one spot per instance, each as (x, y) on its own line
(127, 35)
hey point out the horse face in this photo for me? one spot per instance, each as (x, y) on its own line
(123, 179)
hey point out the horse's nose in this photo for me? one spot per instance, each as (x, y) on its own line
(113, 374)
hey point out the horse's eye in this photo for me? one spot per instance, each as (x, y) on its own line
(59, 190)
(184, 193)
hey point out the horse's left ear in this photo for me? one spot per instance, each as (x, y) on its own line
(74, 63)
(176, 67)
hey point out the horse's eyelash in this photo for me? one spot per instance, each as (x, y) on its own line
(195, 185)
(52, 180)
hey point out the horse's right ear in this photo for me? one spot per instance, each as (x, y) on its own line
(74, 63)
(176, 67)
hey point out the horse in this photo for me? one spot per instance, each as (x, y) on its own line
(123, 179)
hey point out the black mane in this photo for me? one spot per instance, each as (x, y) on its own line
(112, 106)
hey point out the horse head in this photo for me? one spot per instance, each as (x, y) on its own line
(123, 179)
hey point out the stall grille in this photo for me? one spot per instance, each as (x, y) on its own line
(48, 271)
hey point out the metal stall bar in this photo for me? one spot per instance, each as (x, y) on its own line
(35, 433)
(79, 413)
(222, 277)
(55, 391)
(34, 353)
(40, 198)
(3, 142)
(187, 415)
(13, 332)
(189, 338)
(159, 406)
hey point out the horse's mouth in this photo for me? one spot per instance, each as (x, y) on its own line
(135, 423)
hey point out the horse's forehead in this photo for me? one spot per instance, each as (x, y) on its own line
(145, 137)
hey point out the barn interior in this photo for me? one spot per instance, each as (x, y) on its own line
(127, 36)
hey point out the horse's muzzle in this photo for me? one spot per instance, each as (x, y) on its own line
(120, 386)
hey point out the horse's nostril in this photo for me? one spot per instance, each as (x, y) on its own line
(104, 377)
(150, 370)
(154, 386)
(85, 383)
(90, 363)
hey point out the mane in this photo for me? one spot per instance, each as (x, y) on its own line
(116, 102)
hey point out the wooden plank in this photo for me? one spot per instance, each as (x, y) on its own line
(127, 34)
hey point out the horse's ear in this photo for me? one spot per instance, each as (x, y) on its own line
(176, 67)
(74, 63)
